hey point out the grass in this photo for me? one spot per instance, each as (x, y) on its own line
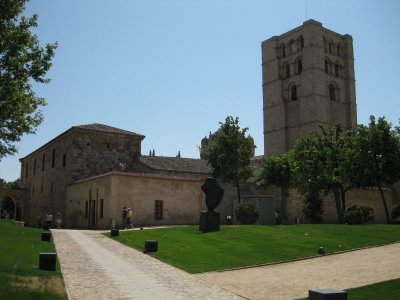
(20, 277)
(388, 290)
(249, 245)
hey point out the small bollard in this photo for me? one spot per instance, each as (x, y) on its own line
(150, 246)
(114, 232)
(47, 261)
(327, 294)
(321, 250)
(46, 236)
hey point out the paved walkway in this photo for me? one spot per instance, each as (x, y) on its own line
(95, 267)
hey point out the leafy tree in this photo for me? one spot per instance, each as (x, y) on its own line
(325, 163)
(378, 156)
(22, 61)
(277, 170)
(229, 153)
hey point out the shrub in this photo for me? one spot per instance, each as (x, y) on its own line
(396, 213)
(359, 214)
(247, 213)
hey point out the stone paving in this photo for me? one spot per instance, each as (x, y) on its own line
(95, 267)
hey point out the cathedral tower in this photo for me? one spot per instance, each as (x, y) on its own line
(308, 80)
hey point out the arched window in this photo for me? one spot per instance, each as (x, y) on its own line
(286, 70)
(332, 92)
(292, 47)
(331, 46)
(326, 66)
(293, 92)
(299, 66)
(337, 69)
(283, 50)
(301, 43)
(339, 50)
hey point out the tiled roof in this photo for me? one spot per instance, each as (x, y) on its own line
(177, 164)
(106, 128)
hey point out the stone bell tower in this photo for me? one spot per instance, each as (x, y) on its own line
(308, 80)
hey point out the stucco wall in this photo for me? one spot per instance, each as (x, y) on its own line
(182, 198)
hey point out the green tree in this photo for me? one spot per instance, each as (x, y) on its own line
(277, 170)
(22, 61)
(378, 156)
(325, 163)
(229, 153)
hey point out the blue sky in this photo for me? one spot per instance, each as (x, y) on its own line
(172, 70)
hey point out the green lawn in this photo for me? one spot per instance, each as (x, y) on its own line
(249, 245)
(20, 277)
(388, 290)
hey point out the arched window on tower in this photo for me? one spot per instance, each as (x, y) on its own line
(332, 92)
(299, 66)
(286, 70)
(337, 69)
(331, 46)
(292, 47)
(293, 92)
(283, 50)
(339, 50)
(301, 43)
(326, 66)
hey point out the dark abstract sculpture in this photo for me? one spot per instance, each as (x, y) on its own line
(210, 220)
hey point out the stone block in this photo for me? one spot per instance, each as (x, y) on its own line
(46, 236)
(114, 232)
(209, 221)
(46, 227)
(47, 261)
(150, 246)
(327, 294)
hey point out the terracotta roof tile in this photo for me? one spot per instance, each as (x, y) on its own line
(177, 164)
(106, 128)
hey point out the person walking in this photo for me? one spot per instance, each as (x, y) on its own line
(129, 218)
(58, 220)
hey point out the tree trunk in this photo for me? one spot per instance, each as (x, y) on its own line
(384, 202)
(237, 189)
(343, 194)
(284, 205)
(338, 202)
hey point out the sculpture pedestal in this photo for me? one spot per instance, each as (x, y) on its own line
(209, 221)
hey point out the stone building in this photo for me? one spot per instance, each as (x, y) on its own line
(308, 80)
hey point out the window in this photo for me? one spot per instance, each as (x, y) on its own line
(158, 209)
(330, 47)
(34, 167)
(43, 161)
(64, 163)
(332, 92)
(339, 50)
(283, 50)
(286, 68)
(293, 92)
(301, 43)
(101, 208)
(299, 66)
(326, 66)
(325, 47)
(53, 158)
(337, 70)
(292, 47)
(26, 170)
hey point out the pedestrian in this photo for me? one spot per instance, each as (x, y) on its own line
(49, 219)
(58, 220)
(129, 218)
(124, 215)
(277, 217)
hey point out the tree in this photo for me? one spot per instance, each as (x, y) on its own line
(277, 170)
(325, 163)
(378, 160)
(229, 153)
(22, 61)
